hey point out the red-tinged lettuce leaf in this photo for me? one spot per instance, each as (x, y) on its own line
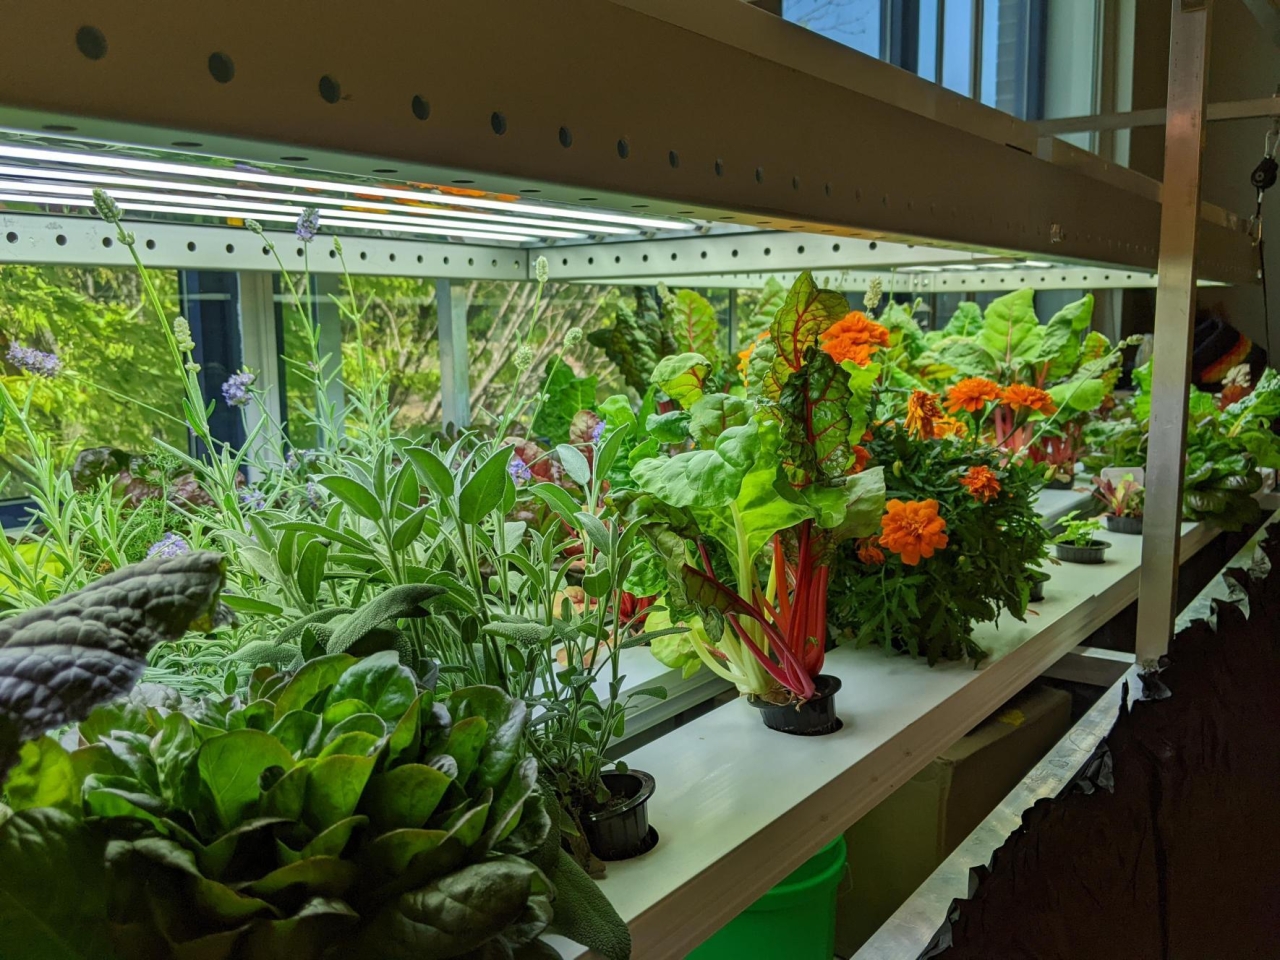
(807, 311)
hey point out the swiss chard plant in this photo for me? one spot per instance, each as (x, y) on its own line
(749, 514)
(1123, 498)
(337, 810)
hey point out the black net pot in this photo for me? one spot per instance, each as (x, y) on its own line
(1095, 552)
(1037, 591)
(812, 718)
(621, 830)
(1123, 524)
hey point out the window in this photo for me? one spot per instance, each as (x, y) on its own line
(855, 23)
(992, 50)
(116, 385)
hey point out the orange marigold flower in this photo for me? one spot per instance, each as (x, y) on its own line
(1019, 396)
(971, 394)
(855, 338)
(950, 427)
(982, 483)
(913, 529)
(869, 553)
(861, 457)
(922, 413)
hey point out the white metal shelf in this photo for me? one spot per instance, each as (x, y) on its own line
(546, 113)
(742, 260)
(739, 807)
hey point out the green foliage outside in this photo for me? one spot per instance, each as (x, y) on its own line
(117, 387)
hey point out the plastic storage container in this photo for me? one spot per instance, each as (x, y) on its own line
(796, 920)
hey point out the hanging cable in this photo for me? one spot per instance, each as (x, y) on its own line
(1263, 179)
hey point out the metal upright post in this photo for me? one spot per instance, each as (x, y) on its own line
(1175, 312)
(455, 391)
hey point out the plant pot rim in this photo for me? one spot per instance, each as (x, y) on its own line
(830, 684)
(641, 797)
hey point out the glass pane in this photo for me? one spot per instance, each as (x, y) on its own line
(957, 47)
(504, 317)
(927, 56)
(1006, 55)
(855, 23)
(395, 341)
(115, 383)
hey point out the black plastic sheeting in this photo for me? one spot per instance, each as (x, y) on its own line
(1166, 846)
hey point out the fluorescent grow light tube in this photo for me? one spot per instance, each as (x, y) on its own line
(248, 176)
(295, 209)
(115, 180)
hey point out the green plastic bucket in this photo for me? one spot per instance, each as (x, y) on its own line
(796, 920)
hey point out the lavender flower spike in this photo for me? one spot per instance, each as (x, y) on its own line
(34, 361)
(236, 390)
(598, 431)
(169, 546)
(308, 224)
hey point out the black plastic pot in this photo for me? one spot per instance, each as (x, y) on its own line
(1037, 590)
(622, 830)
(1093, 553)
(812, 718)
(1122, 524)
(1058, 484)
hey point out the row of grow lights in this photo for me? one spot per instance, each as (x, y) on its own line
(48, 177)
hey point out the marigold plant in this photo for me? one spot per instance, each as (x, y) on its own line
(982, 483)
(855, 338)
(972, 394)
(913, 530)
(959, 544)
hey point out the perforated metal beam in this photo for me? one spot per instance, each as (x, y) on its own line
(83, 241)
(719, 132)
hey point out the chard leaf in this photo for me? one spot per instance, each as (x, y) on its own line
(708, 478)
(805, 313)
(1010, 330)
(681, 377)
(693, 323)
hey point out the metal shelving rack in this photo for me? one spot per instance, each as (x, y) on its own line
(801, 153)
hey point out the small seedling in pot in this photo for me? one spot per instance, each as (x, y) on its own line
(1076, 543)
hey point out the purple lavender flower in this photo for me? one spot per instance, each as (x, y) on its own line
(298, 457)
(308, 224)
(313, 495)
(253, 499)
(236, 390)
(518, 469)
(169, 546)
(34, 361)
(598, 431)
